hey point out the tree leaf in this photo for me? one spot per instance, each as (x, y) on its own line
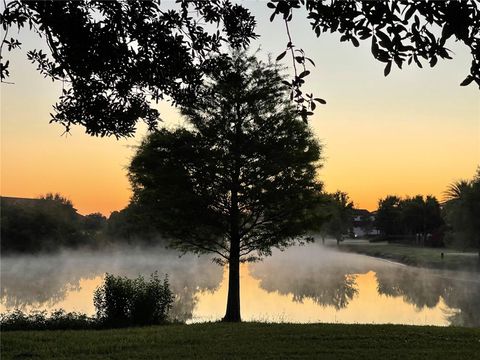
(387, 68)
(281, 56)
(304, 73)
(467, 80)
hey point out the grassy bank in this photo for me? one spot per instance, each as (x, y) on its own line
(247, 340)
(417, 256)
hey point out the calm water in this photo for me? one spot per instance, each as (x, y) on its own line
(302, 284)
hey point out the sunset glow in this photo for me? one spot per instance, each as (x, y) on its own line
(413, 132)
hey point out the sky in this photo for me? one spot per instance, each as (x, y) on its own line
(413, 132)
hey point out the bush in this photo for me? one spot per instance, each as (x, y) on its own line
(129, 302)
(119, 302)
(58, 320)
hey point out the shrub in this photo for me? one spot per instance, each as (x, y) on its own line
(128, 302)
(58, 320)
(119, 302)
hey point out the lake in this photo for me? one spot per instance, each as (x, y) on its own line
(303, 284)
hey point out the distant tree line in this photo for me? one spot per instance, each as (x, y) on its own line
(455, 222)
(32, 225)
(51, 222)
(416, 218)
(420, 220)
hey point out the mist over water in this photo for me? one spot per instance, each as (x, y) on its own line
(309, 283)
(44, 282)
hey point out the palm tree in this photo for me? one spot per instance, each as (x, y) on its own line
(456, 191)
(462, 209)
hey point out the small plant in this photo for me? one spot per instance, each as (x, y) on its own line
(121, 301)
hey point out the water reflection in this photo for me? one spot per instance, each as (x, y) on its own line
(302, 284)
(68, 280)
(459, 291)
(322, 279)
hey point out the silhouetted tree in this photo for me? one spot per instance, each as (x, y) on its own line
(240, 179)
(116, 56)
(131, 225)
(411, 217)
(462, 210)
(47, 223)
(419, 215)
(387, 219)
(400, 31)
(338, 211)
(93, 223)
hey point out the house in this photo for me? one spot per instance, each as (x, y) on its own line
(363, 223)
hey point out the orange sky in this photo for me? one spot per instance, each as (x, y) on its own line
(413, 132)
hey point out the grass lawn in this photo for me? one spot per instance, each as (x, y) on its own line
(417, 256)
(247, 341)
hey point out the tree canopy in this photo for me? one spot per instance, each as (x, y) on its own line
(337, 209)
(117, 57)
(239, 179)
(45, 224)
(409, 216)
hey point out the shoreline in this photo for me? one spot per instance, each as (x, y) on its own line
(422, 257)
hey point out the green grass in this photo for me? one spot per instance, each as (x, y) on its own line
(247, 341)
(418, 256)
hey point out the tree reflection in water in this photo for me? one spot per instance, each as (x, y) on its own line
(325, 276)
(425, 288)
(312, 273)
(41, 282)
(328, 278)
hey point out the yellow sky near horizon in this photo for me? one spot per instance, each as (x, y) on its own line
(414, 132)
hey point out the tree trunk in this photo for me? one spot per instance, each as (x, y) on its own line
(232, 313)
(233, 301)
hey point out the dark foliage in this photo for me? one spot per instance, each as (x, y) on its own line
(247, 156)
(44, 224)
(387, 219)
(121, 301)
(337, 209)
(418, 218)
(58, 320)
(94, 223)
(399, 31)
(241, 179)
(131, 225)
(462, 212)
(116, 56)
